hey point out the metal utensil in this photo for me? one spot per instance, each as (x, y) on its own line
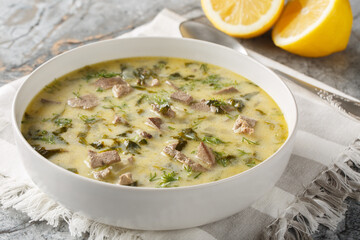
(196, 30)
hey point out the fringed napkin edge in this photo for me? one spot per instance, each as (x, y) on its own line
(323, 200)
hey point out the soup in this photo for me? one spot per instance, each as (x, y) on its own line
(154, 122)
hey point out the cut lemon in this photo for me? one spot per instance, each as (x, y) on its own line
(314, 28)
(242, 18)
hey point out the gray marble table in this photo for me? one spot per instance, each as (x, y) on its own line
(32, 31)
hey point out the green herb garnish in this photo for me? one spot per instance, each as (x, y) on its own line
(175, 76)
(168, 178)
(189, 134)
(74, 170)
(223, 159)
(212, 140)
(237, 104)
(63, 122)
(248, 96)
(217, 104)
(204, 67)
(152, 177)
(260, 111)
(244, 139)
(242, 152)
(89, 119)
(47, 153)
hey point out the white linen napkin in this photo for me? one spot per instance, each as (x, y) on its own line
(311, 191)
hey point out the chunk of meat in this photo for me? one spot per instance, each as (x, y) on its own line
(227, 91)
(181, 96)
(145, 134)
(206, 155)
(85, 102)
(201, 106)
(165, 111)
(106, 83)
(154, 122)
(244, 125)
(120, 120)
(104, 158)
(172, 85)
(126, 179)
(103, 173)
(47, 101)
(155, 82)
(171, 151)
(120, 90)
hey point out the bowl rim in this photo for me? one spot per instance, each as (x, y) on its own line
(78, 177)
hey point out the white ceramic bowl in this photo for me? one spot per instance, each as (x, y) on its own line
(155, 208)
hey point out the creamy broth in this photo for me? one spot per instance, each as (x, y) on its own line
(212, 98)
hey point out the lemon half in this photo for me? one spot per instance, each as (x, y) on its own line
(242, 18)
(314, 28)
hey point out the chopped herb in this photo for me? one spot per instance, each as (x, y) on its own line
(77, 93)
(99, 89)
(47, 153)
(242, 152)
(113, 106)
(217, 104)
(123, 67)
(237, 104)
(52, 87)
(248, 96)
(181, 144)
(260, 111)
(168, 178)
(82, 138)
(174, 76)
(132, 147)
(97, 145)
(188, 64)
(74, 170)
(244, 139)
(142, 74)
(100, 74)
(89, 119)
(250, 162)
(189, 134)
(63, 122)
(152, 177)
(171, 128)
(197, 175)
(196, 122)
(212, 140)
(60, 131)
(162, 104)
(223, 159)
(270, 124)
(141, 99)
(188, 169)
(143, 141)
(204, 68)
(213, 80)
(160, 65)
(45, 136)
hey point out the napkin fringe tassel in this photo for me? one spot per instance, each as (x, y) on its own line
(323, 200)
(28, 199)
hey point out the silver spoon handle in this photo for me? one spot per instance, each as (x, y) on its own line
(344, 105)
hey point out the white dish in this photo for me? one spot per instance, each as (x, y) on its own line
(155, 208)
